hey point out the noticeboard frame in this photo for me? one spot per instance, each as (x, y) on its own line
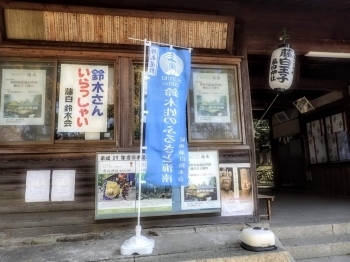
(112, 168)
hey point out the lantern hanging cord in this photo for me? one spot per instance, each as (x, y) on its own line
(284, 36)
(266, 111)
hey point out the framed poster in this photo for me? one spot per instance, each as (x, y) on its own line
(214, 104)
(282, 117)
(26, 101)
(236, 189)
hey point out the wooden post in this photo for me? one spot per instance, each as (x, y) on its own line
(241, 50)
(2, 26)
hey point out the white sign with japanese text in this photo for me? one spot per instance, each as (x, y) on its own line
(83, 98)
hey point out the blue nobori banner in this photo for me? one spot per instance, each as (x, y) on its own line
(166, 141)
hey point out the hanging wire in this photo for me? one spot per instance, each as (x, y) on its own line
(266, 111)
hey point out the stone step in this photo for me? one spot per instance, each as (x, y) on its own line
(326, 259)
(186, 246)
(312, 230)
(318, 247)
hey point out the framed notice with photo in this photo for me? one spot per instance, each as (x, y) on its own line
(26, 101)
(214, 104)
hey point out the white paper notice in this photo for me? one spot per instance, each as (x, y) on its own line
(37, 186)
(203, 179)
(63, 185)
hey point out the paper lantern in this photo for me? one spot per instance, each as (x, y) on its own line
(282, 68)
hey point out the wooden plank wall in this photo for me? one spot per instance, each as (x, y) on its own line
(19, 219)
(18, 216)
(331, 180)
(117, 29)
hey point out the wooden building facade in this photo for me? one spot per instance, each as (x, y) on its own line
(243, 34)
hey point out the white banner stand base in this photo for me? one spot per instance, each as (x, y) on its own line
(137, 244)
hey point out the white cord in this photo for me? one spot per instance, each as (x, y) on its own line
(266, 111)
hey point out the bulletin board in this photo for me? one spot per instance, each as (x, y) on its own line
(116, 192)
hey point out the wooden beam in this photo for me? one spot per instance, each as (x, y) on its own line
(262, 45)
(302, 84)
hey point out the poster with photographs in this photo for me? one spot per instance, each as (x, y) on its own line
(117, 179)
(203, 179)
(22, 97)
(236, 189)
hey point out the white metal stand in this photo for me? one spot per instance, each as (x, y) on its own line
(139, 244)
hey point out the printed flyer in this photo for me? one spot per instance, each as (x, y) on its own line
(203, 179)
(117, 187)
(236, 189)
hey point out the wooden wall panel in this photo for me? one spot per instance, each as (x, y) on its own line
(20, 219)
(118, 29)
(332, 180)
(16, 214)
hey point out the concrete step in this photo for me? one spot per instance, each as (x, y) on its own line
(209, 246)
(318, 247)
(326, 259)
(312, 230)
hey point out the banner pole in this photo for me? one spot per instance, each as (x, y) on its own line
(143, 112)
(139, 244)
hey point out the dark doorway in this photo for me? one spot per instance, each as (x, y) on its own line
(290, 163)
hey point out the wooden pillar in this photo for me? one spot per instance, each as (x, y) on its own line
(125, 110)
(2, 26)
(241, 50)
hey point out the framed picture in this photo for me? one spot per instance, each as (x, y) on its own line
(303, 105)
(26, 101)
(282, 117)
(213, 109)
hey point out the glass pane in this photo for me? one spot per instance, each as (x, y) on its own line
(26, 99)
(85, 101)
(137, 100)
(213, 109)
